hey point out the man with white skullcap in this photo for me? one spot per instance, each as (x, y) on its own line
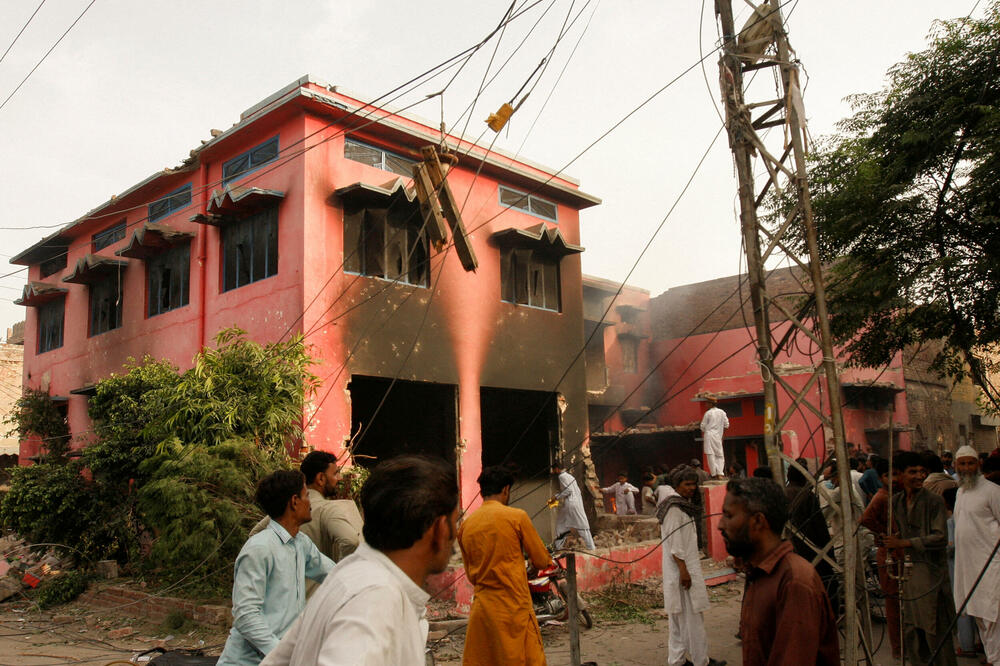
(977, 530)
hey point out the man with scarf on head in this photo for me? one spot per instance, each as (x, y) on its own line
(786, 616)
(977, 530)
(685, 596)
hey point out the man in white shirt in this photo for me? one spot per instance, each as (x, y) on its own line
(336, 524)
(977, 530)
(713, 424)
(371, 610)
(269, 577)
(685, 597)
(570, 515)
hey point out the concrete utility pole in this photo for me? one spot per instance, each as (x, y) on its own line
(763, 44)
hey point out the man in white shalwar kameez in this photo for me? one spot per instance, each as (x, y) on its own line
(713, 424)
(977, 529)
(570, 514)
(685, 596)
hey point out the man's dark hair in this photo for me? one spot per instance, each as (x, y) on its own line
(948, 455)
(557, 464)
(949, 496)
(494, 479)
(882, 466)
(762, 496)
(683, 473)
(277, 489)
(623, 473)
(648, 476)
(795, 477)
(932, 462)
(906, 459)
(858, 464)
(403, 497)
(991, 464)
(316, 462)
(763, 472)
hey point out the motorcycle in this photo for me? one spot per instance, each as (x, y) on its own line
(549, 592)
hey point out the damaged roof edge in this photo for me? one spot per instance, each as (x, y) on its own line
(294, 91)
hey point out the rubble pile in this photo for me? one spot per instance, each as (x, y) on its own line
(614, 531)
(23, 565)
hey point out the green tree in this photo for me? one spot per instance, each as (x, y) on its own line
(907, 201)
(123, 408)
(34, 414)
(240, 390)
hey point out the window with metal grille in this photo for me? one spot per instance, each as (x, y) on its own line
(169, 275)
(528, 203)
(105, 305)
(630, 353)
(528, 277)
(252, 159)
(387, 243)
(732, 408)
(378, 158)
(250, 249)
(50, 325)
(109, 236)
(176, 200)
(53, 265)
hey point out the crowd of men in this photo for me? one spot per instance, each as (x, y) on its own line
(370, 607)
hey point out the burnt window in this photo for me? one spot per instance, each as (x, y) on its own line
(250, 160)
(732, 408)
(250, 248)
(378, 158)
(387, 243)
(630, 353)
(109, 236)
(528, 203)
(176, 200)
(758, 407)
(53, 265)
(105, 305)
(169, 276)
(50, 325)
(529, 277)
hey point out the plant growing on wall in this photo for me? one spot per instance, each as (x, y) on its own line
(35, 414)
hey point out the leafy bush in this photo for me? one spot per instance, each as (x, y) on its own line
(55, 503)
(122, 408)
(60, 589)
(199, 502)
(175, 461)
(241, 390)
(34, 414)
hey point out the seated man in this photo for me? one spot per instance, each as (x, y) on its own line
(269, 579)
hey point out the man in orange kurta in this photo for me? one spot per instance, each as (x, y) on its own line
(502, 627)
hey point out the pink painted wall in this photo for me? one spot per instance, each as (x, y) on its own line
(723, 363)
(355, 324)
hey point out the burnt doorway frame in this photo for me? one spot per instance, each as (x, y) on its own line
(370, 391)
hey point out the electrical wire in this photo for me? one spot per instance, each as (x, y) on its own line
(51, 49)
(21, 31)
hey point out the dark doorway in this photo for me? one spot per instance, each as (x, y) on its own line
(417, 417)
(520, 427)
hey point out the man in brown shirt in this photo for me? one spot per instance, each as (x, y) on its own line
(876, 518)
(786, 617)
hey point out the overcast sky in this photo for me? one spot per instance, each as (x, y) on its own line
(135, 85)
